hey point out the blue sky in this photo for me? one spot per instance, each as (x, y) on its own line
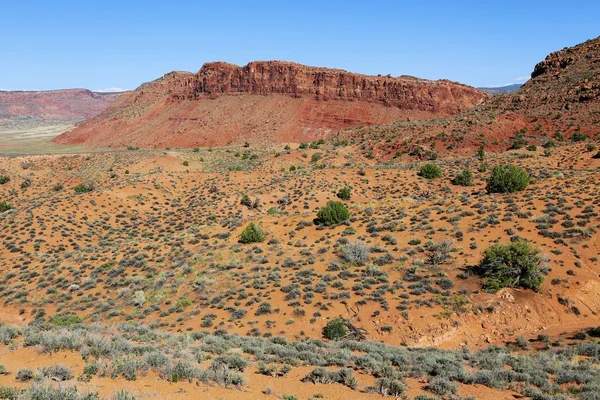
(106, 44)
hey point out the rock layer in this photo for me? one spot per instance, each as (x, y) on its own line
(264, 102)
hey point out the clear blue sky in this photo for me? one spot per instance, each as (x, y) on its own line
(99, 44)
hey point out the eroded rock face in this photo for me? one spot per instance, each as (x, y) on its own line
(266, 102)
(278, 77)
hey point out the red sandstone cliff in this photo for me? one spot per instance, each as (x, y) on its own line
(263, 102)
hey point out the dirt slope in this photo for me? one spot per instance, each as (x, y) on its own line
(225, 104)
(561, 98)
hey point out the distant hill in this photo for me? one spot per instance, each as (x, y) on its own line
(502, 89)
(265, 102)
(36, 108)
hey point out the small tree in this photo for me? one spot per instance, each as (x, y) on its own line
(507, 179)
(333, 213)
(517, 264)
(252, 234)
(4, 179)
(430, 171)
(465, 178)
(344, 193)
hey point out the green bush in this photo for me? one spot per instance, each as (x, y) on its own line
(517, 264)
(65, 320)
(84, 188)
(4, 206)
(333, 213)
(335, 329)
(430, 171)
(344, 193)
(480, 153)
(507, 179)
(549, 144)
(186, 163)
(532, 147)
(4, 179)
(252, 234)
(465, 178)
(578, 136)
(518, 141)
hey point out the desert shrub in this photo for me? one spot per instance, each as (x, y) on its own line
(4, 179)
(252, 234)
(186, 163)
(532, 147)
(507, 179)
(321, 375)
(344, 193)
(232, 361)
(57, 372)
(578, 136)
(333, 213)
(517, 264)
(4, 206)
(182, 370)
(442, 386)
(65, 319)
(84, 188)
(123, 395)
(518, 141)
(246, 201)
(390, 387)
(24, 375)
(480, 153)
(439, 253)
(549, 144)
(590, 147)
(465, 178)
(356, 253)
(335, 329)
(430, 171)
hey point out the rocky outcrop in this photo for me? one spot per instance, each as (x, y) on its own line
(279, 77)
(268, 101)
(570, 75)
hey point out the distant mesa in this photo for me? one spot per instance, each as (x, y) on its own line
(264, 102)
(52, 106)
